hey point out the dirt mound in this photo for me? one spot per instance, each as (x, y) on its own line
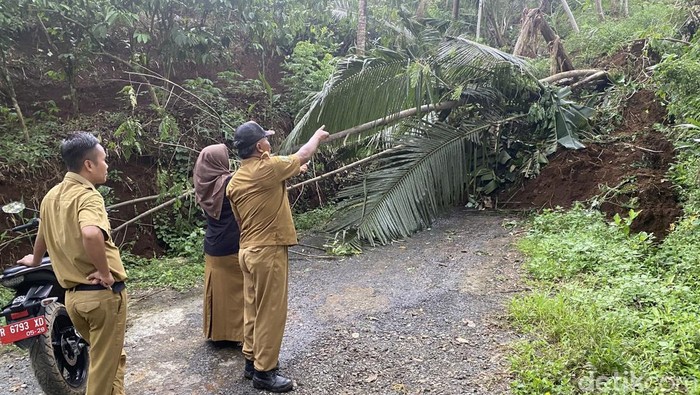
(628, 172)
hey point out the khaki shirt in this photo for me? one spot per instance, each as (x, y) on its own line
(259, 200)
(67, 208)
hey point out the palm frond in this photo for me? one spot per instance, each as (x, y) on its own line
(341, 9)
(365, 89)
(461, 59)
(408, 189)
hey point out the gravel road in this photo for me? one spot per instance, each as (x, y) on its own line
(422, 316)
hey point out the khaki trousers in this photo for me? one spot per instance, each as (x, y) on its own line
(223, 298)
(100, 318)
(265, 273)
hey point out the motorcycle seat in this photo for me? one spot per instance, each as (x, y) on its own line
(13, 270)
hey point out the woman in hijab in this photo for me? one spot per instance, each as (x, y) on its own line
(223, 279)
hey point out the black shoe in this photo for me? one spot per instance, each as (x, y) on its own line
(271, 381)
(249, 370)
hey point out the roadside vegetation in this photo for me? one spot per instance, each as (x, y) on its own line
(612, 311)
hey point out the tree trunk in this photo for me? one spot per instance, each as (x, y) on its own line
(599, 10)
(532, 23)
(570, 15)
(625, 8)
(528, 33)
(497, 36)
(5, 74)
(478, 19)
(560, 60)
(455, 10)
(362, 28)
(420, 11)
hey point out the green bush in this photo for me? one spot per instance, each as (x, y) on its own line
(313, 219)
(677, 79)
(308, 67)
(21, 157)
(563, 245)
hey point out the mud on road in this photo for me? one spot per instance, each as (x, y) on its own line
(422, 316)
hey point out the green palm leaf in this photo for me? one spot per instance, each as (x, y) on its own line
(408, 189)
(461, 59)
(364, 89)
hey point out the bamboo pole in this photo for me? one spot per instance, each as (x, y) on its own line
(346, 167)
(393, 117)
(134, 201)
(153, 210)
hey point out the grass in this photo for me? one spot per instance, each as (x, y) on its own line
(177, 273)
(611, 312)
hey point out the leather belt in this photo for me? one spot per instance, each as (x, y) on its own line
(116, 287)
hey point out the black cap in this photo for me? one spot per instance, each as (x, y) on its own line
(248, 134)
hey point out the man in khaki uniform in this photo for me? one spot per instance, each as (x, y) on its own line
(75, 230)
(259, 200)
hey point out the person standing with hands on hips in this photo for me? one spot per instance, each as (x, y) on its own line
(223, 280)
(74, 229)
(259, 200)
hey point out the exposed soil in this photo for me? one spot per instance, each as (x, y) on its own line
(627, 172)
(423, 316)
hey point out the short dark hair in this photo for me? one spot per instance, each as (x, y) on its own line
(246, 152)
(76, 148)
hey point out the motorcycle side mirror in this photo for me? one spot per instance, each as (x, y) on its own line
(13, 208)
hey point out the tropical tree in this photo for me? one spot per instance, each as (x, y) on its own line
(444, 114)
(362, 27)
(480, 11)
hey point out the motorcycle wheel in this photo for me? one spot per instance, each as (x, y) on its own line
(60, 356)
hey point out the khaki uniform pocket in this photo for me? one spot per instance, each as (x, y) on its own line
(86, 307)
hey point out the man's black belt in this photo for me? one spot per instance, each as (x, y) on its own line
(116, 287)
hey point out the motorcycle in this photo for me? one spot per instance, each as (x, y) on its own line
(36, 320)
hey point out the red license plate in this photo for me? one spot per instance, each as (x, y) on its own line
(21, 330)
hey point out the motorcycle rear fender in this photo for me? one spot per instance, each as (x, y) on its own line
(32, 301)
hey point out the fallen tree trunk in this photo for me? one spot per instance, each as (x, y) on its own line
(346, 167)
(393, 117)
(592, 77)
(569, 74)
